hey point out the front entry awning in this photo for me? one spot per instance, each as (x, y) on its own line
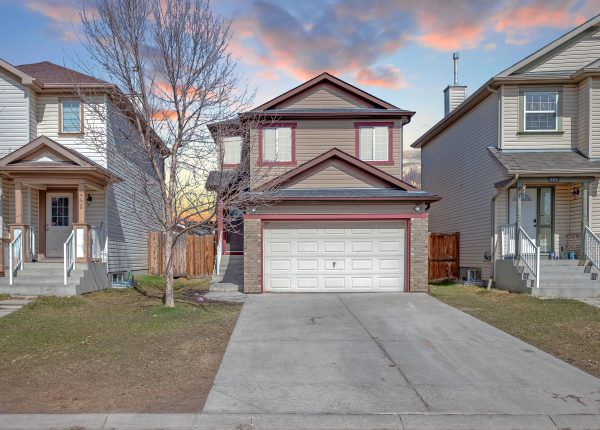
(44, 162)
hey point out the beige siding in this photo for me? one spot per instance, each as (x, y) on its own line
(324, 97)
(339, 175)
(595, 118)
(457, 166)
(511, 118)
(34, 216)
(583, 113)
(571, 56)
(14, 127)
(93, 143)
(315, 137)
(595, 208)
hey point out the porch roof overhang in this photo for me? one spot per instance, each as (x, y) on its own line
(68, 167)
(541, 164)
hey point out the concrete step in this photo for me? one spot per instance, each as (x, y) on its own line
(225, 287)
(548, 262)
(38, 290)
(566, 292)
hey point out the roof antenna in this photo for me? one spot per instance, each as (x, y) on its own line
(455, 57)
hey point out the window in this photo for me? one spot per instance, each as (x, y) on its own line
(374, 142)
(70, 116)
(60, 212)
(277, 144)
(232, 150)
(541, 111)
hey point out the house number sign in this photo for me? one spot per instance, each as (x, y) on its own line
(553, 179)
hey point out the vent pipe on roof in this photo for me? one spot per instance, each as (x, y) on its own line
(454, 94)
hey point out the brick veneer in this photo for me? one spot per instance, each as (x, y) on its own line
(419, 254)
(252, 256)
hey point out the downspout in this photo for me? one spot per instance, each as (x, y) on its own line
(493, 202)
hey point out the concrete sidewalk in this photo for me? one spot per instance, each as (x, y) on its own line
(299, 422)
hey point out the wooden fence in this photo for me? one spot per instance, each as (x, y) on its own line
(444, 256)
(193, 256)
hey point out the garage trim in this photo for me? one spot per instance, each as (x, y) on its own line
(336, 217)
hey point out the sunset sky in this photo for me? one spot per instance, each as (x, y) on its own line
(397, 50)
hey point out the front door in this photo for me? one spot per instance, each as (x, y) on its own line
(537, 215)
(59, 213)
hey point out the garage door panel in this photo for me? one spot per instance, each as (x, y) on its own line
(348, 256)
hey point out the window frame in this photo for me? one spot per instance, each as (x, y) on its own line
(231, 165)
(390, 152)
(261, 161)
(555, 111)
(60, 117)
(522, 110)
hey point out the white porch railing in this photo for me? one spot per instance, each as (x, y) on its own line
(219, 252)
(69, 253)
(591, 245)
(528, 252)
(15, 255)
(507, 241)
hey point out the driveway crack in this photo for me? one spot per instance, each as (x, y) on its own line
(387, 355)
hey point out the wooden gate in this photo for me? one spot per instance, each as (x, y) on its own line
(193, 256)
(444, 256)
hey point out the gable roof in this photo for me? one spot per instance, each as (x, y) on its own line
(24, 77)
(50, 75)
(551, 46)
(16, 160)
(335, 153)
(332, 80)
(507, 76)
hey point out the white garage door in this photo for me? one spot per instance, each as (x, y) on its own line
(334, 256)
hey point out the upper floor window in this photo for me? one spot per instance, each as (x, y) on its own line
(541, 111)
(277, 144)
(232, 150)
(70, 118)
(374, 142)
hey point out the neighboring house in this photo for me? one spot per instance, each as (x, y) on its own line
(67, 184)
(326, 209)
(520, 158)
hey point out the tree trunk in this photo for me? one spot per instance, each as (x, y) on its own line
(169, 290)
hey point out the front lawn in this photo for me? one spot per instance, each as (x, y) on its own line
(568, 329)
(113, 350)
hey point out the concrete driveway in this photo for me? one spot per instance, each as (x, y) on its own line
(386, 354)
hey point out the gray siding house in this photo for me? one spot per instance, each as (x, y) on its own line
(517, 167)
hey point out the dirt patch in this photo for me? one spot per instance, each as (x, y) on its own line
(112, 351)
(568, 329)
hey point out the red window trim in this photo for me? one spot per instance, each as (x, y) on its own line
(390, 126)
(262, 162)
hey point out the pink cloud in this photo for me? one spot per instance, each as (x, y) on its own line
(268, 75)
(386, 76)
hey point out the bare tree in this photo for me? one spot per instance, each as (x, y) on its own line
(173, 74)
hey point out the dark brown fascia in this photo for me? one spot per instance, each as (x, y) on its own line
(424, 199)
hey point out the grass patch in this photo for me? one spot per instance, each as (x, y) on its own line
(4, 296)
(154, 286)
(568, 329)
(114, 350)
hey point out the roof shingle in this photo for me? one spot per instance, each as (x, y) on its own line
(568, 162)
(47, 73)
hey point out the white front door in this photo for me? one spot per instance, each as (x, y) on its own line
(59, 213)
(528, 211)
(334, 256)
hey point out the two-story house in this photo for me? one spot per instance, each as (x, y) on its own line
(325, 207)
(69, 210)
(517, 166)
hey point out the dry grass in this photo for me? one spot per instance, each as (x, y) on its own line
(568, 329)
(111, 351)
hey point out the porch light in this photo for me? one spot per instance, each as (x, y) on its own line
(522, 194)
(89, 198)
(418, 208)
(575, 191)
